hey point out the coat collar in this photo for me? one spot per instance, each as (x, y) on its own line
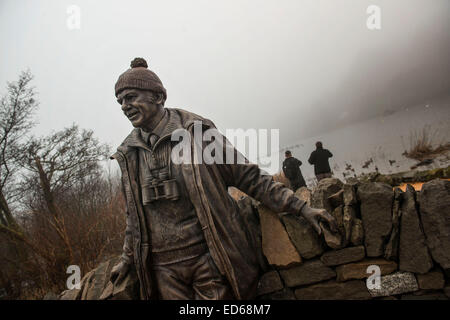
(165, 128)
(177, 119)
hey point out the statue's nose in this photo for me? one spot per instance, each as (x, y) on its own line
(125, 106)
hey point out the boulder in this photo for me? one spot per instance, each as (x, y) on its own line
(358, 270)
(413, 253)
(343, 256)
(431, 280)
(309, 272)
(95, 285)
(324, 189)
(332, 290)
(376, 212)
(396, 283)
(269, 282)
(305, 239)
(391, 251)
(277, 246)
(434, 199)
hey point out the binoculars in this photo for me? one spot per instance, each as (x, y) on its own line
(153, 190)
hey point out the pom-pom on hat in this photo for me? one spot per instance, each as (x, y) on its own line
(140, 77)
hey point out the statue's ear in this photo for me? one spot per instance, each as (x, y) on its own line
(159, 98)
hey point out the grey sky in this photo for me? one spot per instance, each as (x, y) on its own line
(305, 67)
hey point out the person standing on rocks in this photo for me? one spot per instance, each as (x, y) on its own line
(185, 235)
(291, 169)
(319, 158)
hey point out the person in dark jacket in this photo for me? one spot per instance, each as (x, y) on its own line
(319, 158)
(291, 169)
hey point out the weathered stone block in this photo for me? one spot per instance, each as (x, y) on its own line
(325, 188)
(357, 235)
(309, 272)
(332, 239)
(349, 195)
(332, 290)
(396, 283)
(434, 199)
(431, 280)
(337, 199)
(391, 251)
(269, 282)
(342, 256)
(277, 246)
(349, 217)
(358, 270)
(413, 253)
(376, 212)
(305, 239)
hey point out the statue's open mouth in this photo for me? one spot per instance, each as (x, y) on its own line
(132, 114)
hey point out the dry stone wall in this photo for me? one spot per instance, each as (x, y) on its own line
(405, 235)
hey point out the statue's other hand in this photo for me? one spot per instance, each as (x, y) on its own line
(119, 272)
(313, 216)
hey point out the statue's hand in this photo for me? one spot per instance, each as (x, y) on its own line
(119, 272)
(313, 216)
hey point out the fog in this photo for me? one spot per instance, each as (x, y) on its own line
(304, 67)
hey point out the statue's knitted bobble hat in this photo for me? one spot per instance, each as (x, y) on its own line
(140, 77)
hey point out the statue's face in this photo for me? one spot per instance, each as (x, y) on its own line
(139, 106)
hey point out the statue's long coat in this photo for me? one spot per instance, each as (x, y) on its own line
(225, 230)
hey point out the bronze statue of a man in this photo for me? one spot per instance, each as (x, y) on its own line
(185, 235)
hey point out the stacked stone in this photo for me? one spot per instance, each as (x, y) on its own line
(402, 236)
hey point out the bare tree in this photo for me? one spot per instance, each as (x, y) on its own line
(57, 163)
(16, 119)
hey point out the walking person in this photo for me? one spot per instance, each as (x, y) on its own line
(291, 169)
(319, 158)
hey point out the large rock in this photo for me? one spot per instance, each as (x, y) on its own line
(396, 283)
(95, 285)
(391, 251)
(358, 270)
(434, 199)
(431, 280)
(309, 272)
(332, 290)
(376, 212)
(413, 255)
(269, 282)
(277, 246)
(324, 189)
(305, 239)
(342, 256)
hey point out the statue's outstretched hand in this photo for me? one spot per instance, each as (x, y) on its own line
(119, 272)
(313, 216)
